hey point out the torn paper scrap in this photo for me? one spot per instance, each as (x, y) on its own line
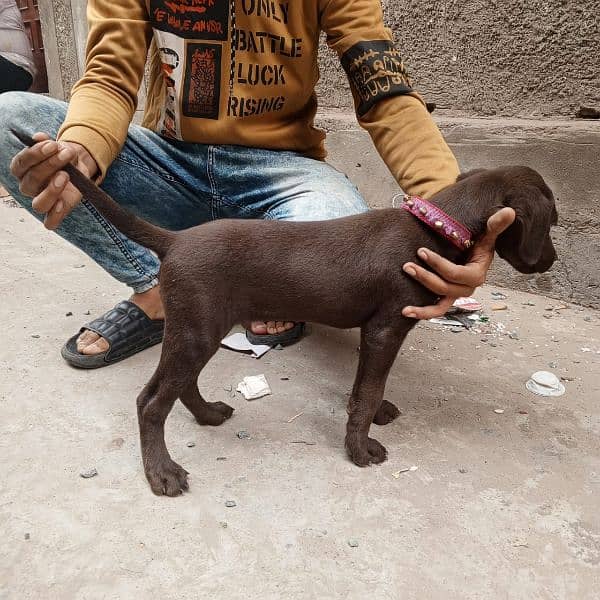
(239, 342)
(253, 387)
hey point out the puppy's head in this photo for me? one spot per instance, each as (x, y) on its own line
(526, 244)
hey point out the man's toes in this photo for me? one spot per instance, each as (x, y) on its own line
(99, 346)
(258, 327)
(86, 338)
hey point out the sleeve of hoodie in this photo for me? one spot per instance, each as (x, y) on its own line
(395, 116)
(104, 100)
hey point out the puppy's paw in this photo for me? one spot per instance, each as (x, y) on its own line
(386, 414)
(214, 413)
(365, 454)
(167, 478)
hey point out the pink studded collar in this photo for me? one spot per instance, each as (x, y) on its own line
(435, 218)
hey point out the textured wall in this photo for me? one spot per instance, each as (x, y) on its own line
(485, 57)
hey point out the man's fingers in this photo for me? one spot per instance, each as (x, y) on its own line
(36, 178)
(435, 283)
(472, 274)
(429, 312)
(500, 221)
(48, 197)
(68, 200)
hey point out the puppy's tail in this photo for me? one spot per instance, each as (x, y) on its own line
(140, 231)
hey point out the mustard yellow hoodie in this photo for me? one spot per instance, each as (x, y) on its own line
(244, 72)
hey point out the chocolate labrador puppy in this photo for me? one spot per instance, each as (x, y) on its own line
(344, 273)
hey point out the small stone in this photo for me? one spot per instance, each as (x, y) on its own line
(89, 473)
(553, 365)
(457, 329)
(69, 314)
(191, 444)
(353, 543)
(513, 335)
(223, 524)
(493, 344)
(78, 266)
(498, 411)
(27, 536)
(463, 471)
(547, 316)
(87, 312)
(529, 303)
(221, 458)
(243, 435)
(587, 112)
(35, 335)
(117, 442)
(284, 378)
(523, 412)
(499, 306)
(230, 503)
(588, 318)
(278, 347)
(358, 165)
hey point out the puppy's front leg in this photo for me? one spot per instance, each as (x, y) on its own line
(378, 348)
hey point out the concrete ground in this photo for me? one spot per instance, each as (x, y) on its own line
(501, 505)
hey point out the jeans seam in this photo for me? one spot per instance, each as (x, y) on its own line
(211, 179)
(144, 167)
(112, 233)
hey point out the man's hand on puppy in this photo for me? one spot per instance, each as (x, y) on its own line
(39, 171)
(451, 281)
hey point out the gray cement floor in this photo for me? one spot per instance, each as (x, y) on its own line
(501, 506)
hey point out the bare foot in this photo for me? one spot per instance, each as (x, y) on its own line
(91, 343)
(270, 327)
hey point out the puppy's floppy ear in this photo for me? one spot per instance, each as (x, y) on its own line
(532, 225)
(469, 173)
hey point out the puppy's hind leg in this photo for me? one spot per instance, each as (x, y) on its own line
(378, 348)
(180, 364)
(386, 413)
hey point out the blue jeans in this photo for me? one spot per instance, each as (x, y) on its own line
(178, 185)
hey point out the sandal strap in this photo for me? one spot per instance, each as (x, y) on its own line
(125, 327)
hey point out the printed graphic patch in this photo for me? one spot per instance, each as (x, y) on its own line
(201, 87)
(191, 19)
(375, 72)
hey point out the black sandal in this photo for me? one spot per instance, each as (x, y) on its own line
(127, 329)
(285, 338)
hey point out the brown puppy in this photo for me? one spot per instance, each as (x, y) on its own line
(345, 273)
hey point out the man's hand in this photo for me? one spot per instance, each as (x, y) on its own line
(39, 171)
(455, 281)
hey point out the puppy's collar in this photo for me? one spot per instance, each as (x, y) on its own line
(435, 218)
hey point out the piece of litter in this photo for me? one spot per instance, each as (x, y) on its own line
(223, 524)
(353, 543)
(35, 335)
(78, 266)
(69, 314)
(499, 296)
(253, 387)
(230, 503)
(451, 322)
(240, 343)
(547, 316)
(463, 471)
(278, 347)
(221, 458)
(467, 304)
(243, 435)
(587, 319)
(295, 417)
(529, 303)
(87, 312)
(553, 365)
(523, 412)
(191, 444)
(27, 536)
(284, 378)
(304, 442)
(89, 473)
(513, 335)
(499, 306)
(544, 383)
(586, 349)
(407, 470)
(498, 411)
